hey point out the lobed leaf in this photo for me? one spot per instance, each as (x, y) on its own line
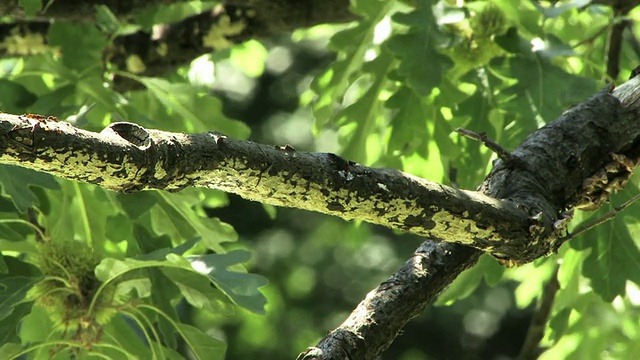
(242, 288)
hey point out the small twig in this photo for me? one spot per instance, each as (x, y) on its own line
(531, 347)
(608, 216)
(482, 137)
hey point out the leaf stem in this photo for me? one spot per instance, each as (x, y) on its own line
(502, 153)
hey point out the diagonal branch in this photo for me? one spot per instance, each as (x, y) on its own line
(374, 324)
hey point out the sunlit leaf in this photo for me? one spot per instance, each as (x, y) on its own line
(614, 256)
(241, 287)
(190, 109)
(418, 45)
(197, 290)
(366, 112)
(351, 45)
(78, 52)
(465, 284)
(177, 210)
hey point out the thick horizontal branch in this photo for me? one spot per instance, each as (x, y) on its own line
(126, 157)
(576, 161)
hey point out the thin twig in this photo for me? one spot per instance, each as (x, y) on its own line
(531, 347)
(608, 216)
(493, 146)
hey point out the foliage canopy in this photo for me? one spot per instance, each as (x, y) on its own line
(88, 272)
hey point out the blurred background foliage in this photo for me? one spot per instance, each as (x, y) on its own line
(387, 91)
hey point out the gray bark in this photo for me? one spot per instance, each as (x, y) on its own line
(577, 160)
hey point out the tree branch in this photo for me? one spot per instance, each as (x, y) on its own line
(576, 161)
(374, 324)
(126, 157)
(378, 319)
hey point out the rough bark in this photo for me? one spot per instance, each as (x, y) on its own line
(571, 172)
(374, 324)
(577, 160)
(126, 157)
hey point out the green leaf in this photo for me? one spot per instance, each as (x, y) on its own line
(409, 132)
(13, 289)
(31, 7)
(475, 113)
(36, 327)
(559, 323)
(83, 212)
(162, 13)
(111, 269)
(177, 210)
(121, 333)
(16, 183)
(250, 57)
(10, 350)
(78, 52)
(543, 91)
(194, 286)
(203, 346)
(9, 325)
(16, 232)
(569, 277)
(557, 9)
(351, 45)
(465, 284)
(162, 300)
(161, 254)
(197, 290)
(422, 65)
(14, 98)
(136, 204)
(107, 98)
(367, 112)
(242, 288)
(106, 20)
(190, 109)
(52, 102)
(614, 256)
(139, 288)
